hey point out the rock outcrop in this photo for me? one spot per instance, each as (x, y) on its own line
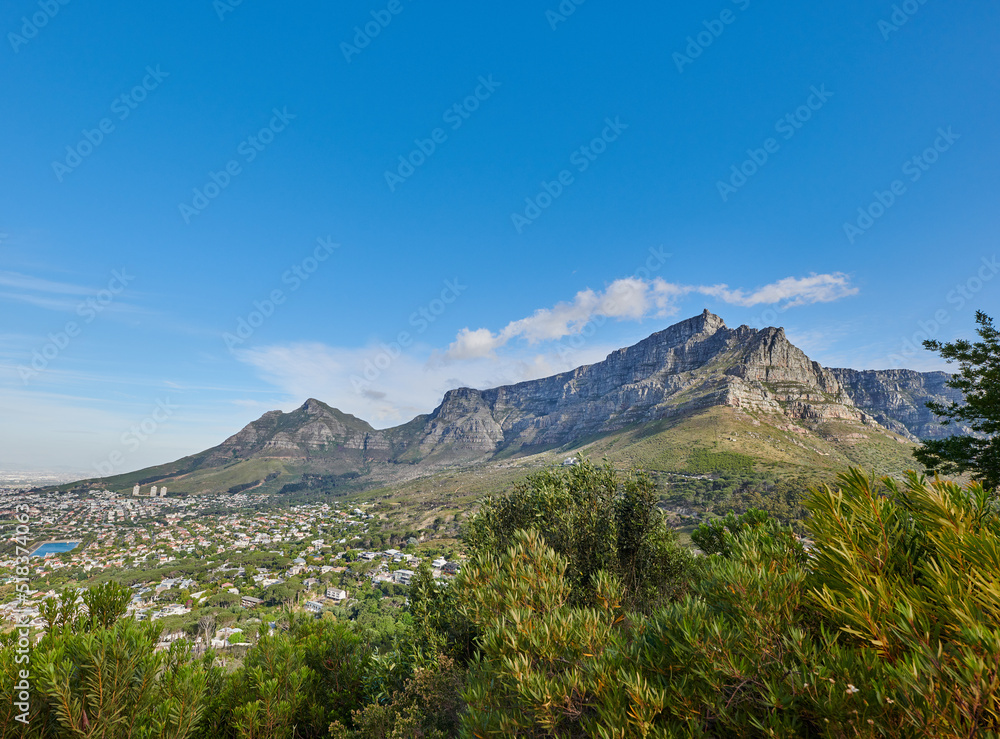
(897, 400)
(312, 430)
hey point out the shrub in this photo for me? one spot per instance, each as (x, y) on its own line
(597, 520)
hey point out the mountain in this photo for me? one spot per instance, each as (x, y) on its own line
(898, 399)
(749, 391)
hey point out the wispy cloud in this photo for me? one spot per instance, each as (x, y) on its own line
(37, 284)
(634, 299)
(789, 292)
(42, 301)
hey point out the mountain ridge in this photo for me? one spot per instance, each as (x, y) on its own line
(683, 370)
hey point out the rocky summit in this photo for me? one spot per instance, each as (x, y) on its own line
(692, 365)
(680, 372)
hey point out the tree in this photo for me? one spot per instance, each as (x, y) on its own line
(979, 380)
(112, 683)
(716, 537)
(60, 612)
(206, 627)
(598, 520)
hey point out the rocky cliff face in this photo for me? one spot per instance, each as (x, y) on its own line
(897, 398)
(692, 365)
(314, 429)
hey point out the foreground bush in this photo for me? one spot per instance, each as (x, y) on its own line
(107, 682)
(598, 521)
(908, 572)
(891, 628)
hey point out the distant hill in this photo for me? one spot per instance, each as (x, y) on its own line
(661, 403)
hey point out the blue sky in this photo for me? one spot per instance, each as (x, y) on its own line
(210, 210)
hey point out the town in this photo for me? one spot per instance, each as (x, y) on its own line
(240, 562)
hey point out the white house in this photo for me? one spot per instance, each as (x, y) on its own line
(311, 605)
(402, 577)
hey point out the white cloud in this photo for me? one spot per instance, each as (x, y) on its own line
(472, 344)
(789, 292)
(634, 299)
(387, 391)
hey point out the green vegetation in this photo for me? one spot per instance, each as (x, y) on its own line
(702, 462)
(599, 522)
(718, 495)
(979, 380)
(881, 634)
(577, 614)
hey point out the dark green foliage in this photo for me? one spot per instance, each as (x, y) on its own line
(318, 483)
(723, 493)
(245, 486)
(291, 684)
(596, 519)
(284, 593)
(438, 625)
(224, 600)
(99, 675)
(716, 537)
(427, 707)
(979, 380)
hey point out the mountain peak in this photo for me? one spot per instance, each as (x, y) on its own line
(708, 321)
(705, 323)
(315, 407)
